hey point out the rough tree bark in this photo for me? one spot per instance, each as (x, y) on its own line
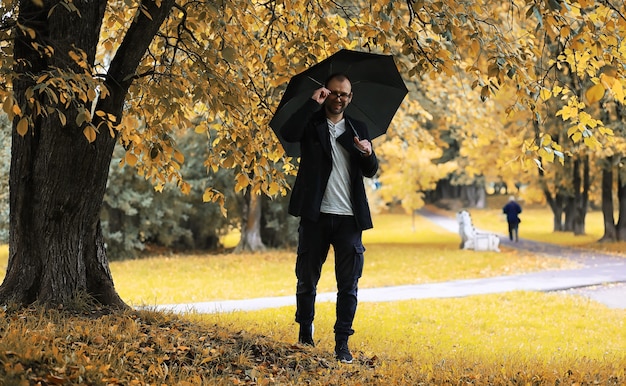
(57, 178)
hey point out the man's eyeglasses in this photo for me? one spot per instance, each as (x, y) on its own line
(340, 95)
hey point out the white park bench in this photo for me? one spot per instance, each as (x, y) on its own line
(472, 239)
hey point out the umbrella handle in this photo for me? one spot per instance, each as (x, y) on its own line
(357, 137)
(354, 130)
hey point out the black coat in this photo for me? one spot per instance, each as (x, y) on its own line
(309, 127)
(512, 210)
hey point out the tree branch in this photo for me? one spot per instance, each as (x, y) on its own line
(412, 12)
(142, 31)
(613, 7)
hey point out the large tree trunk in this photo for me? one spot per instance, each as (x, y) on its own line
(610, 230)
(57, 178)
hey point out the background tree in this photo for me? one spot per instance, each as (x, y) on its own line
(613, 182)
(407, 167)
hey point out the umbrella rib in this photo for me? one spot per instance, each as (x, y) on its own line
(368, 117)
(315, 80)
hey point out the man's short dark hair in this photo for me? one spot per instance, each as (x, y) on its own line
(340, 76)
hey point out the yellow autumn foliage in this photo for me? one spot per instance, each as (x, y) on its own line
(220, 68)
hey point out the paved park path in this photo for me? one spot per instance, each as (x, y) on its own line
(601, 277)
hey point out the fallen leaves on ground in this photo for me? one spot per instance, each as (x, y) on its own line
(52, 347)
(59, 347)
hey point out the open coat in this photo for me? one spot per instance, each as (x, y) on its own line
(309, 127)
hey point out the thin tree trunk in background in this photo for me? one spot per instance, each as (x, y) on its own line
(569, 212)
(251, 228)
(554, 202)
(621, 197)
(481, 196)
(581, 197)
(610, 230)
(572, 197)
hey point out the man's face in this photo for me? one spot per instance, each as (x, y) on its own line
(340, 97)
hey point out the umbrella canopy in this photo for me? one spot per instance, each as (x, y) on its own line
(377, 87)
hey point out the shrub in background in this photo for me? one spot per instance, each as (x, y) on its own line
(134, 215)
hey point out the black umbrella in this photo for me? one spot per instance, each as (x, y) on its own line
(378, 91)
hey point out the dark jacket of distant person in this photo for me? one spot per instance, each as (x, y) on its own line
(512, 209)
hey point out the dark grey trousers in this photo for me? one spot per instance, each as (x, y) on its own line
(315, 239)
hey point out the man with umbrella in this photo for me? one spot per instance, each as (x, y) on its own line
(329, 197)
(330, 125)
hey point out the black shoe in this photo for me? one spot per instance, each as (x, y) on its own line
(342, 352)
(305, 336)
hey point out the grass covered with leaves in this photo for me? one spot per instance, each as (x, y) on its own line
(516, 338)
(504, 339)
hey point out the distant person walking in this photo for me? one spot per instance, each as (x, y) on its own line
(512, 210)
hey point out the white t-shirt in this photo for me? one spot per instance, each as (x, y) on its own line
(337, 195)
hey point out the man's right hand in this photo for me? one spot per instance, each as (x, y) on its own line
(320, 95)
